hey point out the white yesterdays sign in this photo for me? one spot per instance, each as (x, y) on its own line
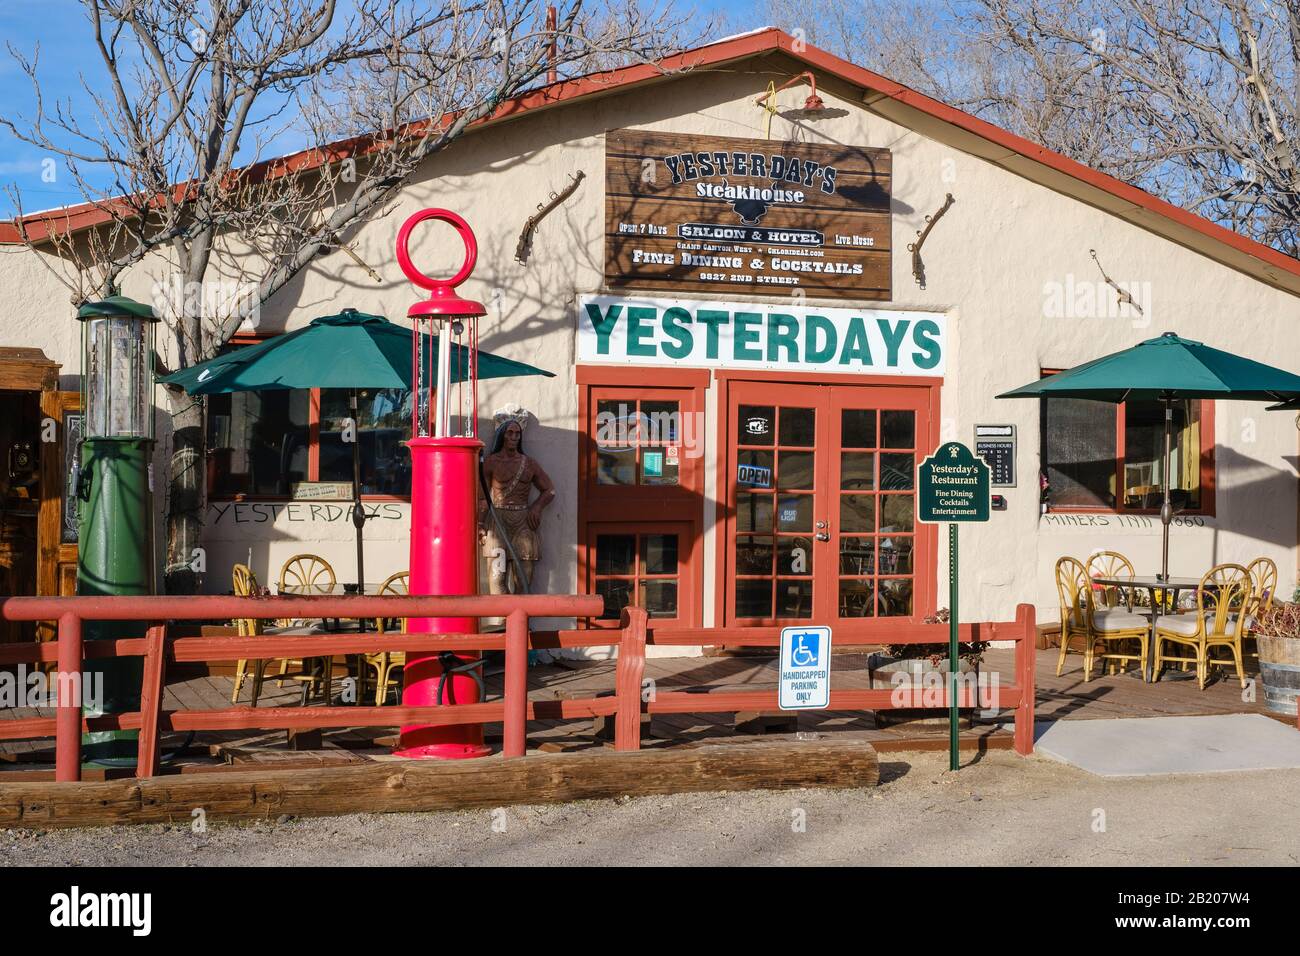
(643, 331)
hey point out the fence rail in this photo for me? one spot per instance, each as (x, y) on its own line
(513, 711)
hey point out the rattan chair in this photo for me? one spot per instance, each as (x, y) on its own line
(307, 574)
(1224, 599)
(1263, 577)
(245, 583)
(1110, 564)
(385, 663)
(1080, 617)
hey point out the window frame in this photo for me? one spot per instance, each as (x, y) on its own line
(313, 442)
(1207, 505)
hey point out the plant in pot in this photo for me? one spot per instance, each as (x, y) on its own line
(915, 670)
(1277, 635)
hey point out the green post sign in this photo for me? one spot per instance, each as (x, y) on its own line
(952, 485)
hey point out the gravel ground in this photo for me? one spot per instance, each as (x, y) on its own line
(999, 810)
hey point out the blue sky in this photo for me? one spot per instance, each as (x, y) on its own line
(62, 32)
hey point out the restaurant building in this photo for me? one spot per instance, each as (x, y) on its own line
(758, 324)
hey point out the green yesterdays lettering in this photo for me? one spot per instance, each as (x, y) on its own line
(774, 337)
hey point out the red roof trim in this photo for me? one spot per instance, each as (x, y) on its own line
(74, 218)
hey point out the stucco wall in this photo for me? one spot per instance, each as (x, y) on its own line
(991, 264)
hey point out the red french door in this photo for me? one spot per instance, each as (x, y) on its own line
(821, 504)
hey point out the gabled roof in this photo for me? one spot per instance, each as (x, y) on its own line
(881, 95)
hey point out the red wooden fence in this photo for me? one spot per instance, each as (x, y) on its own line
(513, 711)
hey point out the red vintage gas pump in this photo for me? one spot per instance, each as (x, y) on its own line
(444, 464)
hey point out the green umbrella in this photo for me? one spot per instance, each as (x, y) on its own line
(1166, 369)
(350, 350)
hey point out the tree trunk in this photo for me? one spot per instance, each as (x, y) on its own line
(186, 496)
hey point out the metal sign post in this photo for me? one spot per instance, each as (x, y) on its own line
(952, 486)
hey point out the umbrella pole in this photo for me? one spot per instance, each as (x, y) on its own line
(1166, 507)
(358, 512)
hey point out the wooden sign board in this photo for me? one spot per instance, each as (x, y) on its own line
(759, 217)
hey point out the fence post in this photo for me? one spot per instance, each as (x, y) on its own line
(1026, 647)
(515, 729)
(627, 680)
(67, 716)
(151, 693)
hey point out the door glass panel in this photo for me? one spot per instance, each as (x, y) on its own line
(660, 597)
(754, 513)
(896, 512)
(858, 470)
(895, 597)
(659, 423)
(754, 597)
(794, 598)
(755, 425)
(615, 553)
(754, 468)
(617, 594)
(897, 472)
(794, 513)
(857, 555)
(659, 554)
(753, 554)
(896, 554)
(857, 597)
(795, 470)
(857, 513)
(799, 426)
(858, 428)
(898, 429)
(793, 555)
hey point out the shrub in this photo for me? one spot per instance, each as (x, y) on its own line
(970, 651)
(1281, 620)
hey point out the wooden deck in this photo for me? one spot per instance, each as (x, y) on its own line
(1058, 698)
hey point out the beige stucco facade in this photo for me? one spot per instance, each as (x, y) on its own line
(1009, 256)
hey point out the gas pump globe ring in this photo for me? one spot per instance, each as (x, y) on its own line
(444, 300)
(445, 338)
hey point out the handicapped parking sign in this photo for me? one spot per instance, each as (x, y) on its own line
(805, 668)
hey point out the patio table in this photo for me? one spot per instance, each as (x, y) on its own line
(1151, 583)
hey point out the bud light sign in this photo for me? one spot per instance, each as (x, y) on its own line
(805, 668)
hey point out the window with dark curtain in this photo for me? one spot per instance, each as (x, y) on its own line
(1079, 444)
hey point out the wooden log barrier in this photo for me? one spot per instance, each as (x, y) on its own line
(421, 785)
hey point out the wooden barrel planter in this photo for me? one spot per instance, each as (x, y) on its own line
(1277, 635)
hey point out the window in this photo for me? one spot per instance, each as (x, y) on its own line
(638, 442)
(640, 569)
(383, 423)
(1099, 456)
(258, 442)
(261, 444)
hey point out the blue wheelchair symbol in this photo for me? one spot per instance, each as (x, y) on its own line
(805, 651)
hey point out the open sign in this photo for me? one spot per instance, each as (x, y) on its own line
(756, 476)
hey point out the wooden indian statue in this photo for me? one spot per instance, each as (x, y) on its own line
(513, 536)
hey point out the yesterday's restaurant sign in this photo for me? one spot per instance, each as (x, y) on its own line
(748, 216)
(648, 331)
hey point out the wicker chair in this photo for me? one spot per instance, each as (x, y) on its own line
(1224, 599)
(385, 662)
(1263, 576)
(1080, 617)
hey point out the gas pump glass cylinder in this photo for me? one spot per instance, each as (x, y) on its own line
(117, 357)
(117, 348)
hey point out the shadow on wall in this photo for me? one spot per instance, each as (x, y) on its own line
(1262, 508)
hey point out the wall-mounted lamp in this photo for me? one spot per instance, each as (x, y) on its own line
(813, 107)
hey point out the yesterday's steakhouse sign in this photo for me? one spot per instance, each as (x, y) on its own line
(762, 217)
